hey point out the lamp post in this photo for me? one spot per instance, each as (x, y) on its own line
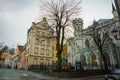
(115, 33)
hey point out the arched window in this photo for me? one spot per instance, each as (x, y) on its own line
(107, 58)
(83, 61)
(87, 43)
(94, 60)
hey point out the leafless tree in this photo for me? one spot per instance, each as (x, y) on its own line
(99, 38)
(60, 12)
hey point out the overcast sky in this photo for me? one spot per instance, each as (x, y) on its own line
(16, 17)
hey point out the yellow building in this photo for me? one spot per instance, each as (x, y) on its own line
(64, 52)
(55, 59)
(64, 56)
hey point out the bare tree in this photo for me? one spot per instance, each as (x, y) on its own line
(60, 12)
(99, 39)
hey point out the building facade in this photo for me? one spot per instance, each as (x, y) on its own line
(39, 44)
(82, 48)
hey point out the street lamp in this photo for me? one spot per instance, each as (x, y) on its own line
(115, 33)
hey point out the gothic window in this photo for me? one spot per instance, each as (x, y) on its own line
(107, 58)
(87, 43)
(36, 50)
(42, 51)
(94, 60)
(104, 35)
(83, 60)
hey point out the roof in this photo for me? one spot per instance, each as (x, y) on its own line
(100, 21)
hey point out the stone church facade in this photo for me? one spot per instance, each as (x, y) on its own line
(39, 44)
(82, 48)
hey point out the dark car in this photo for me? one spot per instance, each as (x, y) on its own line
(114, 75)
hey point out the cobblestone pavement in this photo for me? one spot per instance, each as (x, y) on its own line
(13, 74)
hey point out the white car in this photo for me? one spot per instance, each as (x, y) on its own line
(114, 75)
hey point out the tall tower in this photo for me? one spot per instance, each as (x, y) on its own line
(78, 27)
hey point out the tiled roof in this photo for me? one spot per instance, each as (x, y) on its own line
(100, 21)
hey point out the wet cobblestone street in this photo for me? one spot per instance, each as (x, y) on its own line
(13, 74)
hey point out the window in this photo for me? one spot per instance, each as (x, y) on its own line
(42, 51)
(83, 60)
(43, 34)
(47, 62)
(87, 43)
(48, 43)
(42, 42)
(94, 60)
(37, 41)
(28, 50)
(47, 52)
(41, 61)
(36, 50)
(37, 33)
(35, 60)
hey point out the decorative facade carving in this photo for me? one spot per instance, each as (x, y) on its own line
(87, 53)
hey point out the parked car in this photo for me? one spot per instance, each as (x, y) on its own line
(114, 75)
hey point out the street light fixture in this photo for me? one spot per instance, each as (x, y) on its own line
(115, 33)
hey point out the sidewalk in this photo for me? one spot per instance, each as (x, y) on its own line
(84, 78)
(14, 74)
(45, 77)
